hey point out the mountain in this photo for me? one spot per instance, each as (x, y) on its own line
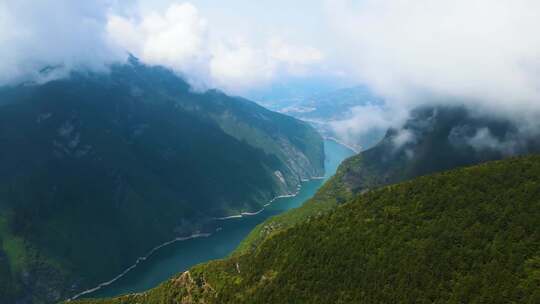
(464, 236)
(433, 139)
(468, 235)
(326, 109)
(99, 168)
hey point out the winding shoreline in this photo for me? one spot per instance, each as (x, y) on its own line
(342, 143)
(139, 260)
(298, 189)
(193, 236)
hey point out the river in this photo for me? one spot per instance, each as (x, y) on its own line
(181, 256)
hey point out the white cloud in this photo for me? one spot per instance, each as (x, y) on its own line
(486, 52)
(175, 38)
(180, 38)
(294, 55)
(484, 140)
(366, 120)
(38, 33)
(402, 138)
(93, 34)
(237, 66)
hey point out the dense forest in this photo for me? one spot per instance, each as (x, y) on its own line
(464, 236)
(433, 139)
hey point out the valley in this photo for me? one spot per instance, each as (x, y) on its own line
(181, 256)
(269, 152)
(374, 231)
(127, 160)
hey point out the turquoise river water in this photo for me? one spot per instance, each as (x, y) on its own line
(180, 256)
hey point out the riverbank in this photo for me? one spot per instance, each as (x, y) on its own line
(139, 260)
(193, 236)
(356, 151)
(176, 257)
(243, 214)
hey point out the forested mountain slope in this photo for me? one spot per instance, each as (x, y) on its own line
(465, 236)
(433, 139)
(98, 168)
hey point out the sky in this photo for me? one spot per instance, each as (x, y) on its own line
(299, 20)
(482, 53)
(237, 47)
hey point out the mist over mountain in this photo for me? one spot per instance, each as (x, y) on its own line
(349, 115)
(432, 139)
(436, 139)
(409, 55)
(481, 54)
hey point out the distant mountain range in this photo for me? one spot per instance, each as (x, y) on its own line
(98, 168)
(324, 109)
(291, 90)
(386, 229)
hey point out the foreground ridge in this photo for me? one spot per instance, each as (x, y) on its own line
(465, 236)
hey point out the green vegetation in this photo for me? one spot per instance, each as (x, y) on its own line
(332, 193)
(437, 140)
(126, 161)
(464, 236)
(7, 267)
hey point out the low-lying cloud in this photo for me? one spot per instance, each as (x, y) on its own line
(92, 34)
(484, 140)
(180, 38)
(366, 120)
(237, 65)
(36, 33)
(176, 37)
(481, 53)
(484, 53)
